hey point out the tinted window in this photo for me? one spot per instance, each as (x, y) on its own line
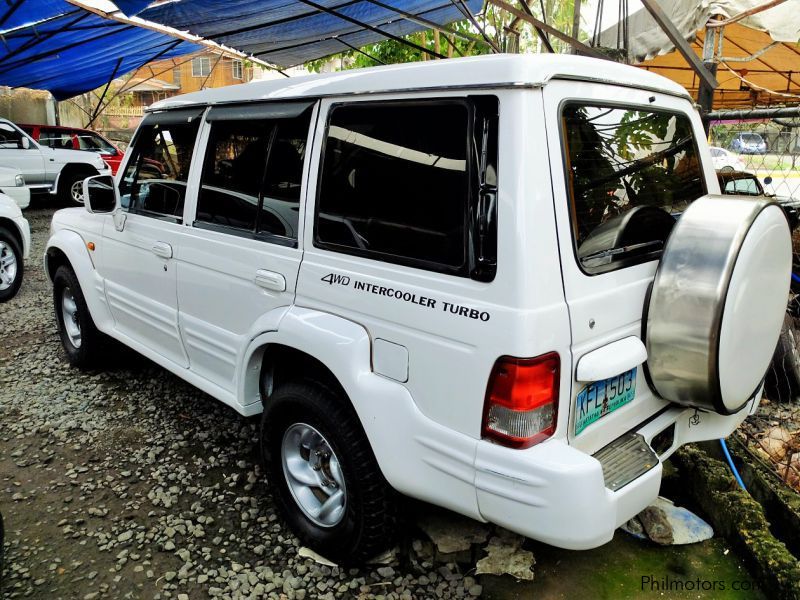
(55, 138)
(9, 137)
(233, 172)
(746, 185)
(93, 143)
(155, 179)
(395, 183)
(252, 175)
(629, 171)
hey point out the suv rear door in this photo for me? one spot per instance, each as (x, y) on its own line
(622, 171)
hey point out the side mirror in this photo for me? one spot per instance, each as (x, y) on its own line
(25, 143)
(100, 194)
(767, 180)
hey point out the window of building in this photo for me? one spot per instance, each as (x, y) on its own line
(154, 182)
(252, 174)
(237, 69)
(398, 183)
(176, 76)
(201, 66)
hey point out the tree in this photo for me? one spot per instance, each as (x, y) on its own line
(505, 31)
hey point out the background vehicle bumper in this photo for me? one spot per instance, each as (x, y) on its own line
(25, 231)
(19, 194)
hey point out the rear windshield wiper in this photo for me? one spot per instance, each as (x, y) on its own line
(608, 253)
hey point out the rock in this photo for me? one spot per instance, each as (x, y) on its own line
(452, 533)
(124, 536)
(386, 572)
(475, 590)
(505, 556)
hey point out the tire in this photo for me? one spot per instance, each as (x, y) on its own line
(12, 267)
(84, 345)
(783, 377)
(70, 188)
(363, 521)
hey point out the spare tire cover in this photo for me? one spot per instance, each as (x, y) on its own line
(717, 302)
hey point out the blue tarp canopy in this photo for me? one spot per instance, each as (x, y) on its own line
(57, 46)
(292, 32)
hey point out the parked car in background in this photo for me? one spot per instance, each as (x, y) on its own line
(15, 244)
(12, 184)
(747, 142)
(746, 184)
(75, 138)
(724, 160)
(55, 171)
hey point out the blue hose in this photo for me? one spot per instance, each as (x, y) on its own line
(727, 454)
(795, 278)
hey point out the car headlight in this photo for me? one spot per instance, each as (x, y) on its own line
(19, 181)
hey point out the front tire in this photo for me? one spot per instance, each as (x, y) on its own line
(70, 188)
(84, 345)
(12, 267)
(324, 475)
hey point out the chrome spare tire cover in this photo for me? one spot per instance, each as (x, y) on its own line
(717, 302)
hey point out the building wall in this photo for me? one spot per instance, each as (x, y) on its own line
(27, 106)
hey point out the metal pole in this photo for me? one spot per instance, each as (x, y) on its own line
(371, 28)
(705, 92)
(681, 44)
(582, 48)
(103, 95)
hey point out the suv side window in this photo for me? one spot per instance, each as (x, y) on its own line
(253, 169)
(56, 139)
(10, 137)
(155, 179)
(409, 182)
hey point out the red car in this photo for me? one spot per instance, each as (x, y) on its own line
(74, 138)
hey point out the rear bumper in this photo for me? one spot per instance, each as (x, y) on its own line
(551, 492)
(556, 494)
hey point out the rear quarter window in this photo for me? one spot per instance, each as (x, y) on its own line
(630, 172)
(413, 183)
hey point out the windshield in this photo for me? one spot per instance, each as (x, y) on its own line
(629, 171)
(751, 138)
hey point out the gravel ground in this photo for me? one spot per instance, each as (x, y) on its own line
(129, 483)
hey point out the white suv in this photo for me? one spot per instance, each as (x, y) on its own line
(465, 281)
(59, 172)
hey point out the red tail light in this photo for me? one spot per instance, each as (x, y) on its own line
(521, 404)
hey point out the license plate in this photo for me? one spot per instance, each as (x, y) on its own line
(601, 398)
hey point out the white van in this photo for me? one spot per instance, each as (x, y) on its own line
(432, 279)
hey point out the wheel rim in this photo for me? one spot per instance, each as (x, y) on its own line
(69, 314)
(76, 191)
(313, 474)
(8, 266)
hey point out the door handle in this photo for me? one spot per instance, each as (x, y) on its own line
(270, 280)
(162, 249)
(611, 359)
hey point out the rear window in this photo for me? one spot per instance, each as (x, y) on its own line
(630, 173)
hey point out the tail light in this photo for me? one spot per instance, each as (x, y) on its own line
(521, 403)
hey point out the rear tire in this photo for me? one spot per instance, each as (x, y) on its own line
(83, 343)
(314, 450)
(12, 267)
(783, 377)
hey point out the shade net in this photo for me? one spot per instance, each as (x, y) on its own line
(55, 46)
(291, 32)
